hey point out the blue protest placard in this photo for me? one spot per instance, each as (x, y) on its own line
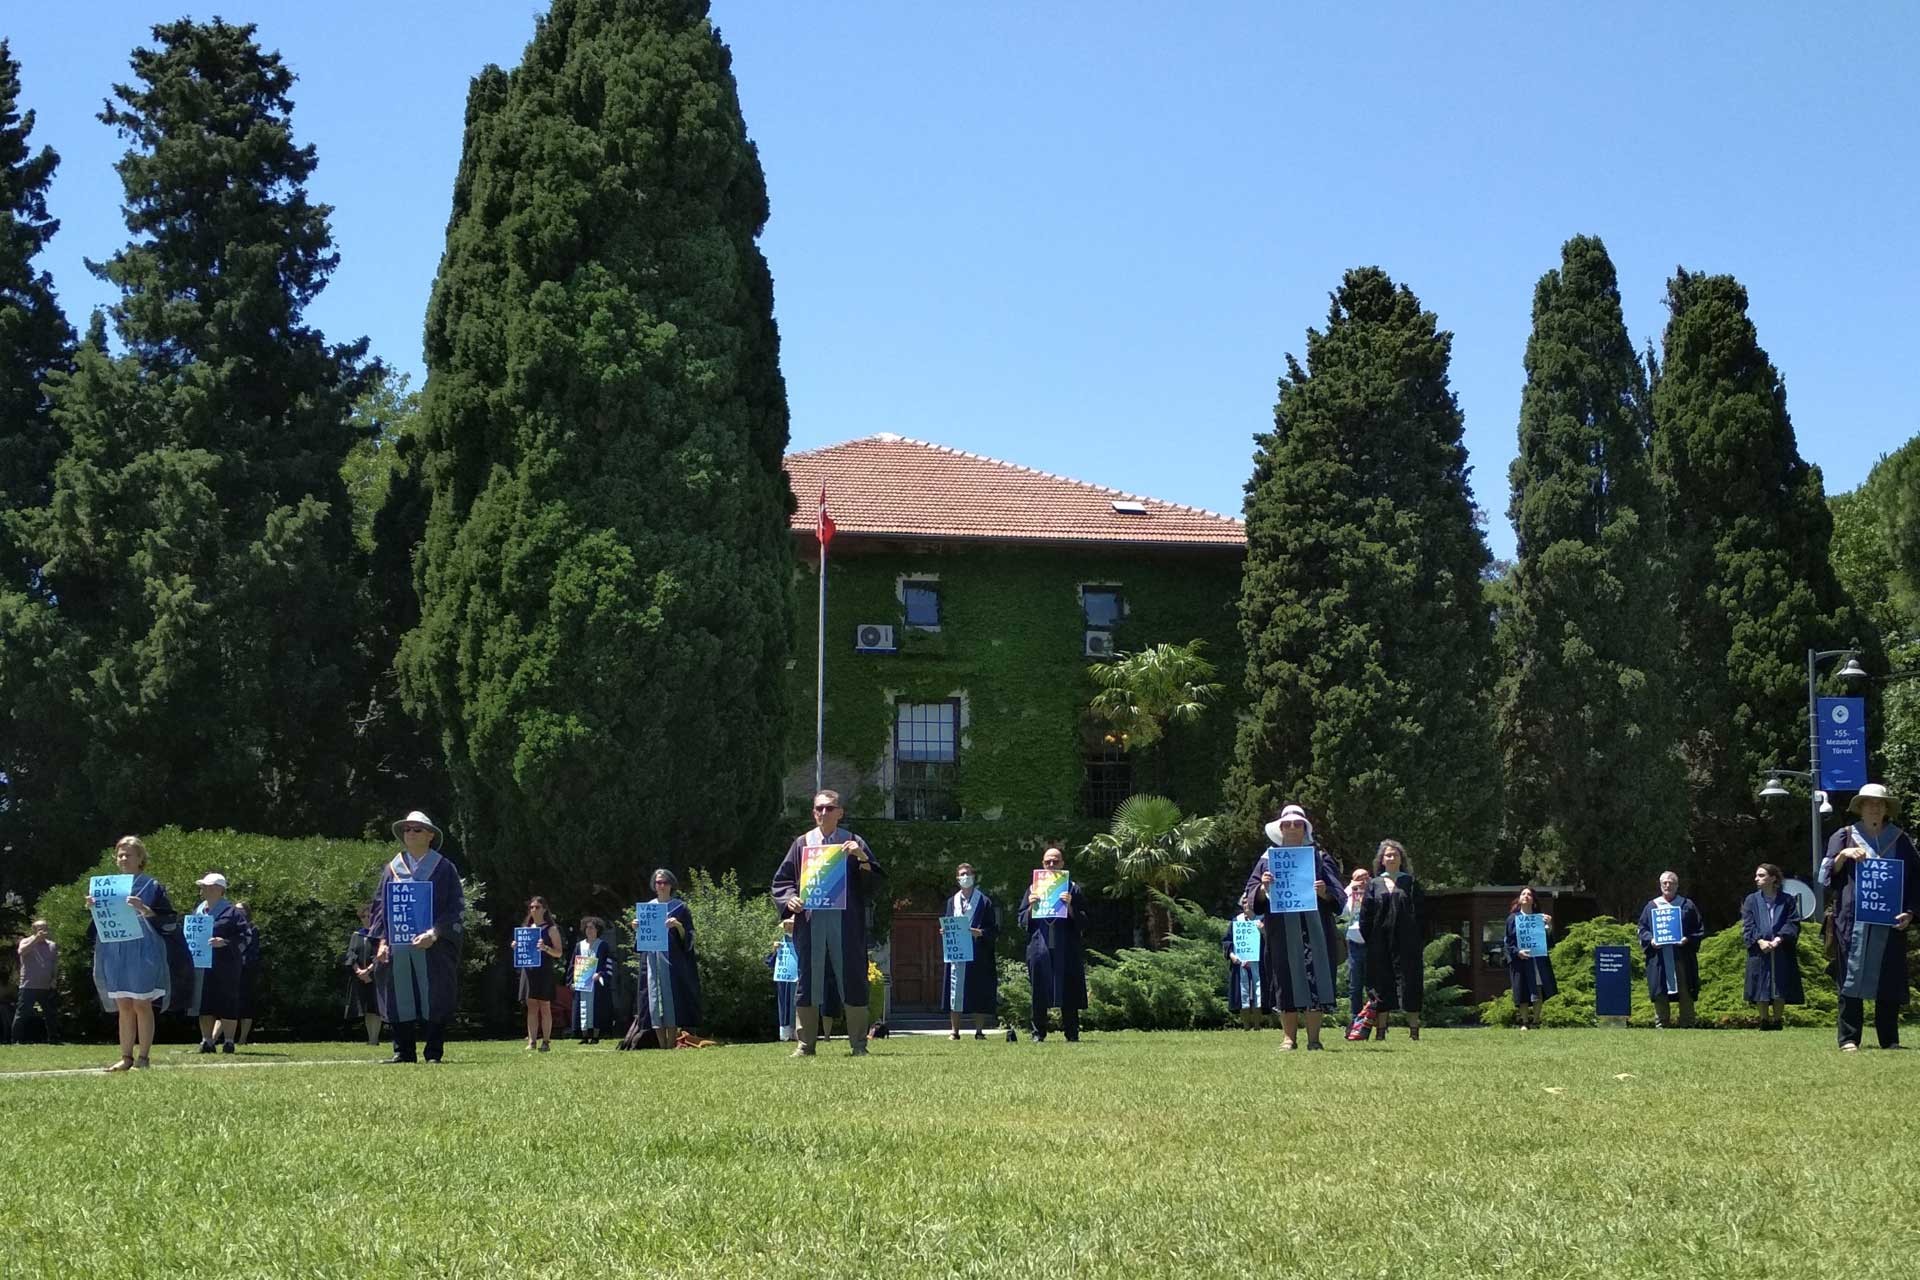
(1246, 940)
(1530, 933)
(1879, 887)
(1666, 925)
(1293, 874)
(1843, 743)
(113, 919)
(786, 962)
(1612, 982)
(198, 932)
(650, 926)
(409, 905)
(956, 939)
(526, 947)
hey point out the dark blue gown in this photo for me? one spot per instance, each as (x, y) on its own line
(1056, 960)
(1873, 959)
(673, 975)
(978, 982)
(1300, 956)
(1255, 982)
(1530, 978)
(434, 986)
(217, 990)
(1686, 954)
(849, 988)
(1772, 975)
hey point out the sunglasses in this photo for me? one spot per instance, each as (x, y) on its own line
(825, 808)
(408, 830)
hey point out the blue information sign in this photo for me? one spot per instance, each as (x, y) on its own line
(409, 910)
(1843, 743)
(526, 947)
(1612, 982)
(1879, 887)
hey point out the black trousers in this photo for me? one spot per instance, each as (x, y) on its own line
(406, 1035)
(48, 1002)
(1069, 1022)
(1886, 1021)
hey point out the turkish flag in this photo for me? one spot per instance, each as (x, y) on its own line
(823, 528)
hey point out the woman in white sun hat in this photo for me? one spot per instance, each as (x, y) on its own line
(419, 951)
(1871, 959)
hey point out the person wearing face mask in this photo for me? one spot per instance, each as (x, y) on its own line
(1300, 954)
(1056, 960)
(420, 980)
(1391, 920)
(973, 986)
(1672, 970)
(1871, 958)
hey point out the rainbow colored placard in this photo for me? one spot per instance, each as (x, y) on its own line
(584, 968)
(1052, 887)
(823, 877)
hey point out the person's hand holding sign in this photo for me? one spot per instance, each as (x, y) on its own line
(219, 942)
(427, 939)
(675, 925)
(1902, 920)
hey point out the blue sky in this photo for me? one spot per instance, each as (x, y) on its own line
(1083, 237)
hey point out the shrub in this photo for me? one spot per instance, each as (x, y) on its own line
(304, 896)
(732, 934)
(1723, 967)
(1442, 1002)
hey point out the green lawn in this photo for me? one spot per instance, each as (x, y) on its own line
(1580, 1153)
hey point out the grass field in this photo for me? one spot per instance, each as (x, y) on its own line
(1473, 1153)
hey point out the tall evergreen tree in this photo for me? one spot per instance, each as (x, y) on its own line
(1368, 637)
(604, 576)
(35, 339)
(1587, 724)
(197, 635)
(1749, 526)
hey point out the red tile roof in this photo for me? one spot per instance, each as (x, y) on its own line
(889, 486)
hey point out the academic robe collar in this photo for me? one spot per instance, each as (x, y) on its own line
(218, 909)
(404, 867)
(955, 903)
(817, 837)
(1889, 835)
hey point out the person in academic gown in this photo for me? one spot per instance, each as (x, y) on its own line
(1872, 958)
(135, 977)
(362, 995)
(1672, 970)
(593, 1014)
(420, 981)
(216, 991)
(974, 985)
(670, 979)
(1247, 990)
(1770, 924)
(249, 971)
(783, 1003)
(1056, 958)
(832, 944)
(1392, 920)
(1529, 976)
(1300, 944)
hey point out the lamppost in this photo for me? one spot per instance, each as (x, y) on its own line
(1817, 803)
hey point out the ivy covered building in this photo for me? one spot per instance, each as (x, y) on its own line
(965, 599)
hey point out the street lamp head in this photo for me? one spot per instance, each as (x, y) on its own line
(1773, 790)
(1851, 669)
(1826, 805)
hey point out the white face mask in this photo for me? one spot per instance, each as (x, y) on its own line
(966, 882)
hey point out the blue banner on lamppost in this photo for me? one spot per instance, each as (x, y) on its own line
(1843, 743)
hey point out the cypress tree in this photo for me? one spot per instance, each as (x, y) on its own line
(1368, 636)
(604, 575)
(1750, 529)
(1588, 730)
(35, 339)
(196, 639)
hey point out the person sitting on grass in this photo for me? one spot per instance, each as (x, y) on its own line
(1770, 924)
(1529, 976)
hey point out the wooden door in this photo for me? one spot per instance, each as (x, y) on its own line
(917, 966)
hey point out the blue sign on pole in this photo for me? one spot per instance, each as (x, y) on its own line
(1843, 743)
(1612, 982)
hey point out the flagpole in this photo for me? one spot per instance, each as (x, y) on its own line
(820, 671)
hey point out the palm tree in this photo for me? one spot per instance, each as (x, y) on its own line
(1142, 693)
(1152, 846)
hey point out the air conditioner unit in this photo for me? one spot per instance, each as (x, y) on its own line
(872, 637)
(1099, 644)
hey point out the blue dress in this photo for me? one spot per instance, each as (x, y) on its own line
(141, 968)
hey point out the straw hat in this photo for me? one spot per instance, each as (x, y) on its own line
(1874, 791)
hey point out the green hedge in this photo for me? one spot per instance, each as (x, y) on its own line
(1723, 968)
(303, 895)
